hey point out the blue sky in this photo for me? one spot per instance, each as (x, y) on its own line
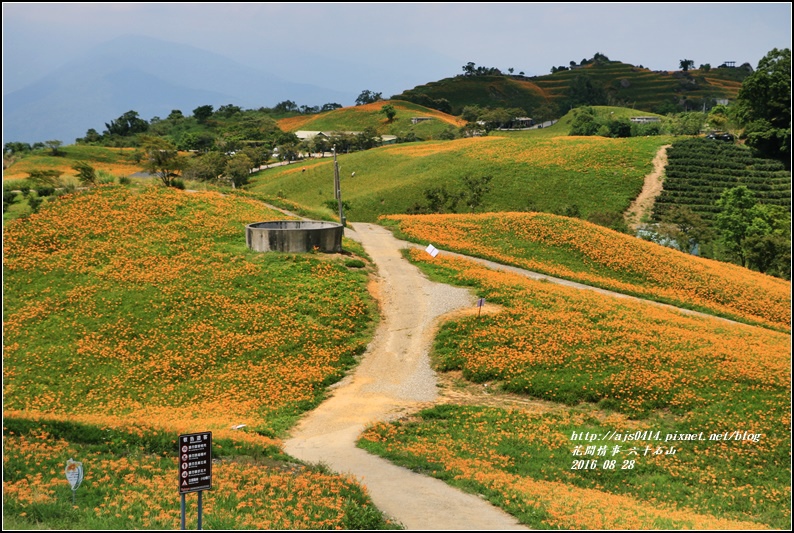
(390, 47)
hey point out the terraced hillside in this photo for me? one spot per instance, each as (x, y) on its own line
(623, 83)
(700, 170)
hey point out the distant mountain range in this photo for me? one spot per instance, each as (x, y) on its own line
(146, 75)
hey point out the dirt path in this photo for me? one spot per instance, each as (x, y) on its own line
(652, 188)
(393, 379)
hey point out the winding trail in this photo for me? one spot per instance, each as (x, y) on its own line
(394, 378)
(651, 188)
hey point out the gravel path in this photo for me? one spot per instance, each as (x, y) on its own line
(394, 378)
(651, 189)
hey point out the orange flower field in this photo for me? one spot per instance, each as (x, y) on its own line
(142, 315)
(138, 491)
(680, 374)
(147, 308)
(584, 252)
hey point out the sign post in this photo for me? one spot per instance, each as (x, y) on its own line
(195, 467)
(74, 475)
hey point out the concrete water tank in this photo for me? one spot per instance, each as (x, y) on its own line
(294, 236)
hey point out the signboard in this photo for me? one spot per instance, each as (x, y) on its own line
(74, 473)
(431, 250)
(195, 462)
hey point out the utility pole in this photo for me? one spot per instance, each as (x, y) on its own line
(338, 190)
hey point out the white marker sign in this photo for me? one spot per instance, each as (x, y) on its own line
(431, 250)
(74, 473)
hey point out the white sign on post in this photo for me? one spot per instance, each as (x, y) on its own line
(431, 250)
(74, 473)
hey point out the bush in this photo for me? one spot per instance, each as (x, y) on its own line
(354, 263)
(43, 191)
(35, 203)
(9, 197)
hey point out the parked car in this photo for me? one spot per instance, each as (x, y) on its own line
(720, 136)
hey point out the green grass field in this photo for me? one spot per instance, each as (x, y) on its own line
(541, 170)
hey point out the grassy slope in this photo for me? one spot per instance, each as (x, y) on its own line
(115, 161)
(484, 91)
(358, 118)
(535, 170)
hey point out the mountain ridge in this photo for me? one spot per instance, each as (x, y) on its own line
(160, 76)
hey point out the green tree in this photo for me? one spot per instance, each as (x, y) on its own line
(767, 244)
(85, 173)
(764, 106)
(91, 136)
(201, 141)
(368, 97)
(258, 155)
(733, 221)
(688, 123)
(686, 64)
(288, 151)
(319, 145)
(583, 91)
(9, 197)
(474, 189)
(367, 139)
(287, 106)
(584, 122)
(684, 227)
(161, 158)
(389, 111)
(206, 167)
(44, 178)
(542, 113)
(54, 145)
(440, 200)
(237, 170)
(34, 202)
(228, 111)
(202, 113)
(471, 113)
(127, 125)
(16, 148)
(496, 118)
(619, 127)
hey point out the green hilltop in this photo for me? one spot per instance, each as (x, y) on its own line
(431, 123)
(619, 84)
